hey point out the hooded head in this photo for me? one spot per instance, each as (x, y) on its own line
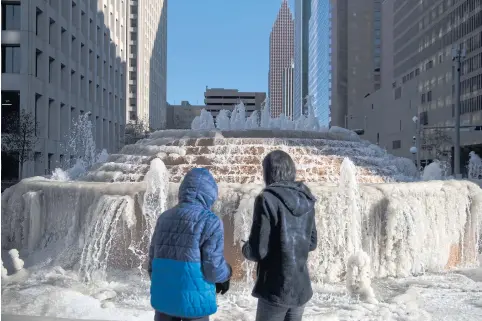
(278, 167)
(198, 186)
(279, 173)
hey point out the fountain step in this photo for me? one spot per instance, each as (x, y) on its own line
(107, 176)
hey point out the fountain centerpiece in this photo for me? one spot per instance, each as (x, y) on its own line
(368, 201)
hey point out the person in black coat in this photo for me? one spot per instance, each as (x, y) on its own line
(282, 235)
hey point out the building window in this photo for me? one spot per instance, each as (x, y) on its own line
(398, 93)
(429, 65)
(37, 98)
(422, 99)
(38, 56)
(37, 20)
(51, 68)
(11, 16)
(11, 58)
(51, 30)
(10, 109)
(396, 144)
(429, 96)
(423, 118)
(49, 164)
(417, 71)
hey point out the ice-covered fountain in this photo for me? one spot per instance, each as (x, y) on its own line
(104, 218)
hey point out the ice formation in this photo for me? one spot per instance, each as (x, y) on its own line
(81, 145)
(474, 166)
(222, 121)
(17, 262)
(238, 120)
(204, 121)
(358, 277)
(106, 217)
(432, 171)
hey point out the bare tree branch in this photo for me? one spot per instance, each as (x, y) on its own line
(436, 142)
(135, 131)
(20, 137)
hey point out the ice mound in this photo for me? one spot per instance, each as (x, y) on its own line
(358, 277)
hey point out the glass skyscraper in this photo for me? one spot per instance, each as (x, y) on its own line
(319, 59)
(312, 75)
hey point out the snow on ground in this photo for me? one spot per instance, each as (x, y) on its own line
(54, 292)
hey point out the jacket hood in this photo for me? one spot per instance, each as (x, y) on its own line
(296, 196)
(198, 186)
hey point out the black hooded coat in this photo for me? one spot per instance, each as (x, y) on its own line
(282, 235)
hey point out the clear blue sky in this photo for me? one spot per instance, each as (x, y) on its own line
(218, 43)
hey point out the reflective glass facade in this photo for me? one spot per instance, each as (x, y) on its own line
(300, 88)
(319, 59)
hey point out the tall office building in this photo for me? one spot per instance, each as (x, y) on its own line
(355, 56)
(147, 62)
(419, 75)
(62, 59)
(280, 56)
(288, 86)
(302, 37)
(319, 59)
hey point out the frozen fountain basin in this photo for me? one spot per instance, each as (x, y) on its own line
(405, 228)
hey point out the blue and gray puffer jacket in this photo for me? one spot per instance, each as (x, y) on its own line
(186, 255)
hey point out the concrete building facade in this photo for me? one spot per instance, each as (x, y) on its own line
(147, 62)
(62, 59)
(288, 91)
(355, 58)
(181, 116)
(419, 75)
(217, 99)
(281, 54)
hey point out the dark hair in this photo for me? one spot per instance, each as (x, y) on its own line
(278, 167)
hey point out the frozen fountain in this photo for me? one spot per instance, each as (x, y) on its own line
(104, 218)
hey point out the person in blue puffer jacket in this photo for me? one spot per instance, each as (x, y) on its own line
(186, 255)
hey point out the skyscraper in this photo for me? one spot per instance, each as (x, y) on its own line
(319, 59)
(302, 18)
(147, 62)
(288, 91)
(280, 56)
(313, 58)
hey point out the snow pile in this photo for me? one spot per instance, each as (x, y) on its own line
(358, 277)
(474, 166)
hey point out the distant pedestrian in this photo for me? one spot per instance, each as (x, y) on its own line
(282, 235)
(186, 255)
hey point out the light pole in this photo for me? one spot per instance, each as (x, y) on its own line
(458, 55)
(416, 149)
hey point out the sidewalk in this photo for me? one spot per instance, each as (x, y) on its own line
(6, 317)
